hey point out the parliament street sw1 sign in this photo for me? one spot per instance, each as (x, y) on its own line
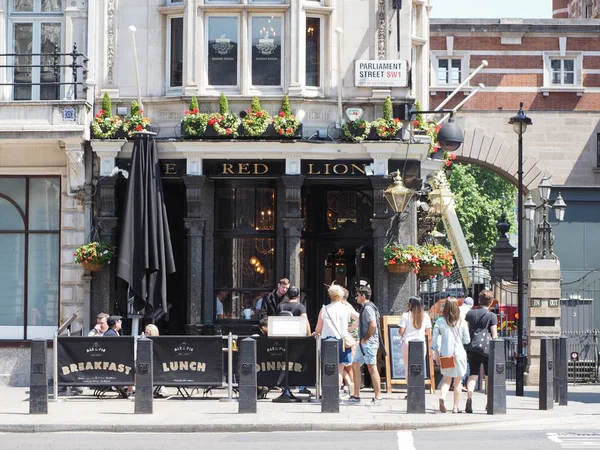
(380, 73)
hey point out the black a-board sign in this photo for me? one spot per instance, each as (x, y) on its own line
(395, 372)
(95, 361)
(188, 360)
(271, 362)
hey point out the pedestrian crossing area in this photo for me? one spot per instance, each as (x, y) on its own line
(576, 440)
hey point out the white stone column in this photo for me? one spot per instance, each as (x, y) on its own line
(192, 50)
(244, 64)
(67, 73)
(107, 151)
(297, 19)
(4, 90)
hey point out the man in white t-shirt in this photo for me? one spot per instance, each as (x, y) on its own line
(219, 310)
(465, 307)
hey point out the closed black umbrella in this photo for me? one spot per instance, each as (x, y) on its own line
(145, 252)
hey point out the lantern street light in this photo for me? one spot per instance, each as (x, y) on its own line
(520, 123)
(398, 195)
(544, 239)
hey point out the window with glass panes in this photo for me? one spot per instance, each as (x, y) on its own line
(35, 30)
(29, 256)
(245, 220)
(449, 71)
(563, 71)
(175, 33)
(313, 51)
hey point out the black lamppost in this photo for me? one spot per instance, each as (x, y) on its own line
(520, 123)
(544, 239)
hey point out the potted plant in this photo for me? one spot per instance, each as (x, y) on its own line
(135, 121)
(285, 124)
(255, 120)
(386, 127)
(435, 259)
(105, 125)
(194, 123)
(223, 123)
(400, 259)
(94, 256)
(357, 130)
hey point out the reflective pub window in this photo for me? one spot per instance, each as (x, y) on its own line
(223, 51)
(266, 51)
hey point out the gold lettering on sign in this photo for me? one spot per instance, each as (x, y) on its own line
(244, 169)
(310, 170)
(170, 169)
(337, 169)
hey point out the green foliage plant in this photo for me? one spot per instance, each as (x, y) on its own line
(194, 123)
(257, 120)
(105, 125)
(285, 123)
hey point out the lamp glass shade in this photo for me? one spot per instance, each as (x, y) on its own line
(520, 121)
(529, 207)
(545, 188)
(559, 208)
(440, 199)
(398, 195)
(517, 127)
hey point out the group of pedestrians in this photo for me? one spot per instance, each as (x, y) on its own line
(461, 344)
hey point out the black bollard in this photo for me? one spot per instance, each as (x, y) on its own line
(546, 388)
(330, 383)
(496, 389)
(556, 359)
(144, 377)
(38, 384)
(247, 377)
(415, 378)
(562, 367)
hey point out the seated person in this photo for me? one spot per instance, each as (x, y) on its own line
(101, 325)
(248, 311)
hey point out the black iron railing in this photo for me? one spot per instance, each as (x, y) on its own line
(52, 68)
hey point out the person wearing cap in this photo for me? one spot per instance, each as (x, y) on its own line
(114, 326)
(466, 306)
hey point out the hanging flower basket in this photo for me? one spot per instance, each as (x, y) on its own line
(399, 268)
(428, 270)
(93, 266)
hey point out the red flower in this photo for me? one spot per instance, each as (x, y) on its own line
(437, 129)
(259, 114)
(396, 120)
(452, 156)
(281, 114)
(415, 123)
(289, 130)
(415, 271)
(228, 130)
(186, 112)
(448, 163)
(195, 111)
(102, 112)
(281, 131)
(211, 122)
(98, 115)
(138, 128)
(141, 111)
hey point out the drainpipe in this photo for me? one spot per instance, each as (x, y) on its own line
(339, 32)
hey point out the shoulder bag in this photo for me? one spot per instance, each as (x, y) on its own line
(449, 362)
(347, 340)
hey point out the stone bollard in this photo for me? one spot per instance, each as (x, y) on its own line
(144, 377)
(415, 373)
(546, 388)
(556, 359)
(330, 384)
(562, 368)
(247, 377)
(38, 384)
(496, 388)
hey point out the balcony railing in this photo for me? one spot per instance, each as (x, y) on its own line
(55, 70)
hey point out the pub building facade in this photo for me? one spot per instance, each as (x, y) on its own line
(244, 213)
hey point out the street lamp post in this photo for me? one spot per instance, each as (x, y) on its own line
(520, 123)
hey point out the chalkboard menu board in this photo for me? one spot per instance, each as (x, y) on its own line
(395, 372)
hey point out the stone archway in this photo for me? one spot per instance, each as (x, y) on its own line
(499, 153)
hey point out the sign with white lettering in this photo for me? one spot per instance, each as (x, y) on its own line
(354, 114)
(380, 73)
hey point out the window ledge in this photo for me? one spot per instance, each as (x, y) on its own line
(276, 7)
(546, 90)
(466, 90)
(176, 8)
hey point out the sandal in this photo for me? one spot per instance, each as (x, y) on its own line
(442, 407)
(456, 411)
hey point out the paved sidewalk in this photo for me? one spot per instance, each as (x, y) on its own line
(209, 414)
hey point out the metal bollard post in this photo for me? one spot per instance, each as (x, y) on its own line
(562, 368)
(144, 377)
(330, 383)
(496, 389)
(38, 384)
(247, 378)
(546, 388)
(317, 397)
(556, 359)
(416, 378)
(229, 369)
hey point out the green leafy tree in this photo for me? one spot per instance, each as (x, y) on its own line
(223, 104)
(107, 104)
(285, 105)
(387, 109)
(478, 197)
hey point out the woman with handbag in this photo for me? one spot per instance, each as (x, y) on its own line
(333, 323)
(413, 325)
(450, 333)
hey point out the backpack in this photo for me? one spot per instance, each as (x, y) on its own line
(481, 340)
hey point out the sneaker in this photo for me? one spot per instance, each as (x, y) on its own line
(304, 390)
(469, 406)
(353, 400)
(376, 401)
(344, 396)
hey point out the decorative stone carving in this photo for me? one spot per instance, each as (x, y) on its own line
(380, 206)
(76, 166)
(110, 41)
(293, 195)
(106, 201)
(194, 185)
(381, 31)
(293, 227)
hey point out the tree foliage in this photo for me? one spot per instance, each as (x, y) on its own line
(478, 197)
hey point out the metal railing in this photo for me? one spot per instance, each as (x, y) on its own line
(58, 63)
